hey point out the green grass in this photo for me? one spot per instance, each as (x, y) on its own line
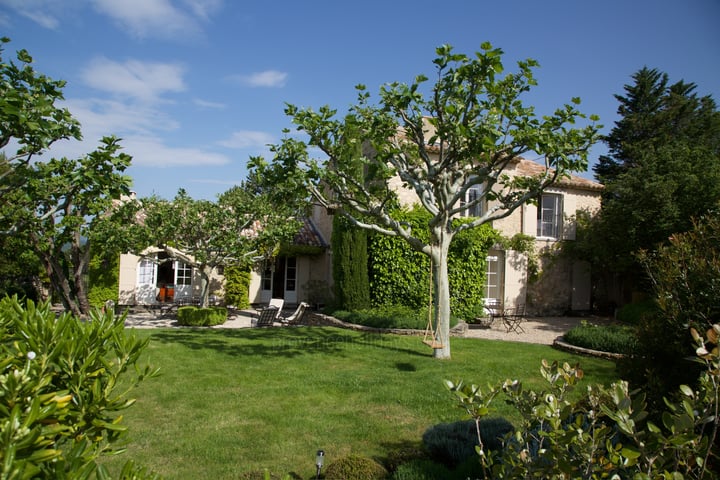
(235, 400)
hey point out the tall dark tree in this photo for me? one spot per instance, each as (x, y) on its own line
(663, 170)
(655, 114)
(350, 265)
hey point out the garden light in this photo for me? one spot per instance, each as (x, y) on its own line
(319, 460)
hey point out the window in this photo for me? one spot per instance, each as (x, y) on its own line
(290, 274)
(267, 275)
(146, 272)
(493, 280)
(184, 273)
(473, 194)
(549, 216)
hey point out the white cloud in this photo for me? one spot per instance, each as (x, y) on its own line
(152, 152)
(139, 127)
(207, 104)
(247, 139)
(103, 117)
(268, 78)
(161, 18)
(203, 8)
(43, 12)
(171, 19)
(134, 78)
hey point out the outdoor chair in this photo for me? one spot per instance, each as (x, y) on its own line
(277, 302)
(267, 316)
(513, 318)
(296, 317)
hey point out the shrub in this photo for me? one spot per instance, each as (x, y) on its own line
(608, 432)
(237, 286)
(453, 443)
(685, 275)
(201, 317)
(611, 338)
(421, 469)
(60, 399)
(355, 467)
(350, 264)
(632, 313)
(404, 454)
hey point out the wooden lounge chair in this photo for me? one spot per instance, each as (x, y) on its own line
(277, 302)
(267, 316)
(296, 317)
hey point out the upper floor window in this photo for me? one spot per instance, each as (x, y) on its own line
(549, 215)
(473, 194)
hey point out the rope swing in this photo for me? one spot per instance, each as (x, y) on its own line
(431, 339)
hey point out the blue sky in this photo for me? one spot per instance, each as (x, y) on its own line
(196, 87)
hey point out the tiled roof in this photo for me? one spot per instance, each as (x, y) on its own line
(529, 168)
(309, 235)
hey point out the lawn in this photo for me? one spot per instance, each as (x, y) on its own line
(235, 400)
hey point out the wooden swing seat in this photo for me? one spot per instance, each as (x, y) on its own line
(434, 344)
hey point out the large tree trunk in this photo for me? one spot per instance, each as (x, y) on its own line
(61, 284)
(81, 257)
(205, 285)
(441, 295)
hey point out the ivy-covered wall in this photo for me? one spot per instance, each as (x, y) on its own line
(400, 275)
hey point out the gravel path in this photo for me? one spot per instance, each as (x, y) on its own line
(541, 330)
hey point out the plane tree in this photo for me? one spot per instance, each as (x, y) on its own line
(464, 131)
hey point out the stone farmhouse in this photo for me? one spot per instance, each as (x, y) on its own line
(560, 286)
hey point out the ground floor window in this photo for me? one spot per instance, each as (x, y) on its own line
(494, 277)
(183, 273)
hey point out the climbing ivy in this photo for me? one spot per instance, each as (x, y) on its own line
(103, 275)
(237, 286)
(400, 275)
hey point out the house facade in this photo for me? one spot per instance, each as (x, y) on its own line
(553, 285)
(541, 280)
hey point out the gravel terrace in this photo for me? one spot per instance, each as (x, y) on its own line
(541, 330)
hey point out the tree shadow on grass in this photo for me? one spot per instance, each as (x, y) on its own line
(285, 342)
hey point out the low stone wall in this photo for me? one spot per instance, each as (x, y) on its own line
(319, 319)
(560, 344)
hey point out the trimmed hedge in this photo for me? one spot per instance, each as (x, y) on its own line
(454, 443)
(201, 317)
(612, 338)
(355, 467)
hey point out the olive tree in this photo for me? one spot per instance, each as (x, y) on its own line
(463, 132)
